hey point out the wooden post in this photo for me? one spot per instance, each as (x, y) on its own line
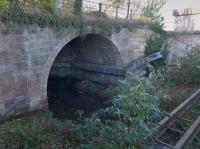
(89, 7)
(17, 2)
(117, 7)
(131, 14)
(129, 1)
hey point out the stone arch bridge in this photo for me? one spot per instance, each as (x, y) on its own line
(28, 58)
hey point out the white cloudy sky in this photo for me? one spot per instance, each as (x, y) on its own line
(170, 5)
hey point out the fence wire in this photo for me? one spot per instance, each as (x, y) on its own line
(66, 7)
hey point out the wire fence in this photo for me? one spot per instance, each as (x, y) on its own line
(129, 11)
(111, 10)
(89, 7)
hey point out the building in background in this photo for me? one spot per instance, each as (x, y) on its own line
(187, 20)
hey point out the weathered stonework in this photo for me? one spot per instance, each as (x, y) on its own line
(26, 57)
(181, 44)
(2, 109)
(130, 44)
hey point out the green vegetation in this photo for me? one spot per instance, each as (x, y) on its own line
(172, 93)
(152, 9)
(48, 5)
(103, 26)
(189, 72)
(157, 42)
(4, 4)
(137, 103)
(129, 122)
(184, 79)
(16, 13)
(196, 142)
(78, 6)
(43, 13)
(30, 132)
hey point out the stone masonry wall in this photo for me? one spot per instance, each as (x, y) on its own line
(26, 57)
(180, 44)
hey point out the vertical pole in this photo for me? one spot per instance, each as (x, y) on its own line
(117, 7)
(131, 14)
(129, 1)
(17, 2)
(100, 7)
(89, 7)
(57, 10)
(24, 2)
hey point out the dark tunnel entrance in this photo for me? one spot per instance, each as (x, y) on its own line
(82, 70)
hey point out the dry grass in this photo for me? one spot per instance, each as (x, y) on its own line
(175, 95)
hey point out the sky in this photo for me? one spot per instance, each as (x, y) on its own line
(167, 10)
(170, 5)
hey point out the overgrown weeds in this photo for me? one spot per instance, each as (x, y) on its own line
(181, 81)
(189, 69)
(128, 122)
(157, 42)
(171, 91)
(31, 131)
(103, 25)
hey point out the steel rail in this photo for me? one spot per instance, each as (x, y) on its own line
(188, 137)
(171, 118)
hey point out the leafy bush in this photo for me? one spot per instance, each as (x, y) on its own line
(128, 122)
(104, 26)
(20, 134)
(152, 10)
(78, 6)
(157, 43)
(4, 4)
(189, 71)
(49, 5)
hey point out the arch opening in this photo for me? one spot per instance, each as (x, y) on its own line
(83, 68)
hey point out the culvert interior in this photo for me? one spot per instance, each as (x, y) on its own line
(82, 70)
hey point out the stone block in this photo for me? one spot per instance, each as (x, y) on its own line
(35, 102)
(18, 104)
(39, 59)
(26, 57)
(33, 88)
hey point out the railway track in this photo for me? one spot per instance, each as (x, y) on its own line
(179, 128)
